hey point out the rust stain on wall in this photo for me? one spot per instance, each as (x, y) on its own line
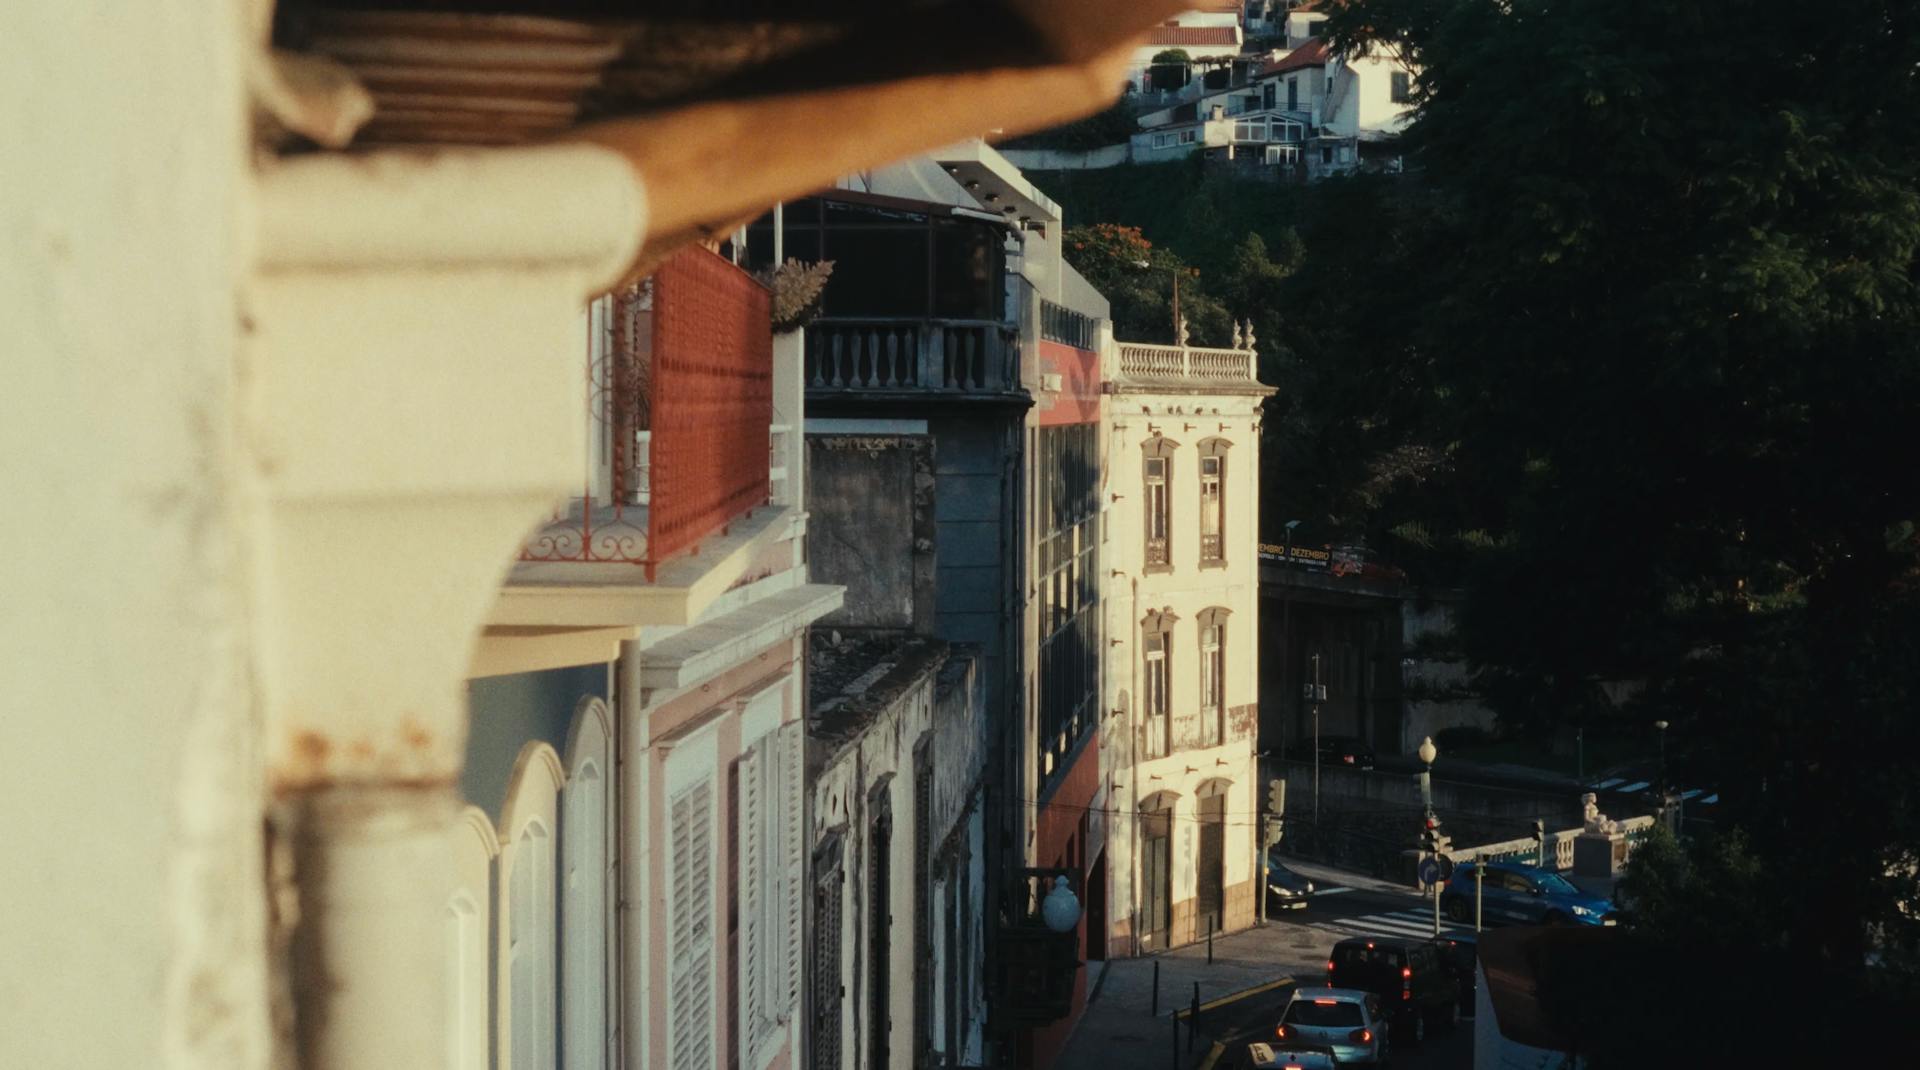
(1243, 722)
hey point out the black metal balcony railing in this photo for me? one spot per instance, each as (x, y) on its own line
(1210, 548)
(953, 356)
(1157, 551)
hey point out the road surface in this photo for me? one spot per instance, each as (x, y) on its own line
(1342, 912)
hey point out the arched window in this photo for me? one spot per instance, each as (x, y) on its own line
(468, 922)
(586, 889)
(1212, 626)
(1213, 502)
(528, 957)
(1157, 501)
(1156, 682)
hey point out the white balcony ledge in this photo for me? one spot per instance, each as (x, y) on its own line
(616, 594)
(687, 657)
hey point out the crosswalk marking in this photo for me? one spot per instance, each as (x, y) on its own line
(1636, 786)
(1414, 923)
(1685, 795)
(1328, 891)
(1608, 783)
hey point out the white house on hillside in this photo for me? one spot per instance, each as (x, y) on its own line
(1348, 102)
(1208, 39)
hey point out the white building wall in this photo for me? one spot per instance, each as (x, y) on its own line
(1186, 591)
(126, 628)
(1362, 99)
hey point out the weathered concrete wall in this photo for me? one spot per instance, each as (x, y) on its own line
(871, 529)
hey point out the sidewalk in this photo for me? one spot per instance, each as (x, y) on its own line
(1119, 1028)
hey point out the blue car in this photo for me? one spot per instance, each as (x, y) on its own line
(1518, 894)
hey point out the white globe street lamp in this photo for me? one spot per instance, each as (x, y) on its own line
(1061, 908)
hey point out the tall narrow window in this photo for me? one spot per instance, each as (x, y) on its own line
(1156, 511)
(1156, 678)
(690, 1033)
(1213, 502)
(1402, 87)
(1158, 501)
(1212, 510)
(1213, 675)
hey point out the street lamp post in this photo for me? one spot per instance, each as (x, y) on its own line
(1286, 629)
(1430, 831)
(1666, 791)
(1661, 727)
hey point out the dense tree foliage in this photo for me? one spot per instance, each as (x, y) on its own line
(1653, 292)
(1633, 353)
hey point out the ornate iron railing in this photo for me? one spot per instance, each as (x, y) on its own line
(952, 356)
(1157, 552)
(683, 425)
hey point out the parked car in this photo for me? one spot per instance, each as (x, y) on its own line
(1460, 954)
(1271, 1057)
(1334, 750)
(1516, 893)
(1286, 890)
(1350, 1022)
(1407, 976)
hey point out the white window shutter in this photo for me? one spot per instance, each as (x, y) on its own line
(792, 753)
(691, 1027)
(752, 877)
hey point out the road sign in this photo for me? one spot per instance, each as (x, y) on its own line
(1429, 870)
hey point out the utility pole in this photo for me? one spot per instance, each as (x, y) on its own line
(1316, 694)
(1286, 631)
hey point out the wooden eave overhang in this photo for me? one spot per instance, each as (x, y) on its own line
(774, 101)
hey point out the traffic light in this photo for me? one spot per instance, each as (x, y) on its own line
(1277, 796)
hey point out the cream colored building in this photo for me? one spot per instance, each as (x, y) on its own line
(1182, 465)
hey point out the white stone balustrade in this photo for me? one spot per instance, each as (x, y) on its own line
(1185, 363)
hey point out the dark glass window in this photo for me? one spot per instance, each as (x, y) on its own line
(1323, 1013)
(1067, 488)
(877, 271)
(964, 259)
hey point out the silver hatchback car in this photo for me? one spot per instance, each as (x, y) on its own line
(1347, 1020)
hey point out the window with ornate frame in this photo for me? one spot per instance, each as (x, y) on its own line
(1213, 502)
(1157, 469)
(1212, 625)
(1156, 680)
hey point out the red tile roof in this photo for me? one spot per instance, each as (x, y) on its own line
(1311, 54)
(1181, 36)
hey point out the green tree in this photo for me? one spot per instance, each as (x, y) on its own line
(1650, 296)
(1137, 278)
